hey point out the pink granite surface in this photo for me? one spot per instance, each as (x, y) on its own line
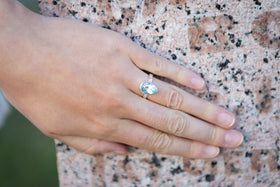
(235, 46)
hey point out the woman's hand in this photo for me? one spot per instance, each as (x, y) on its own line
(80, 84)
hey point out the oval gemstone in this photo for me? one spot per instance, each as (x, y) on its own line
(148, 88)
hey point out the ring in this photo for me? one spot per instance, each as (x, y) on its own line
(148, 88)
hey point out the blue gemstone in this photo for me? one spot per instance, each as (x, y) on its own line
(148, 88)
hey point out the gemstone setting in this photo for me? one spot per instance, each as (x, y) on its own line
(148, 88)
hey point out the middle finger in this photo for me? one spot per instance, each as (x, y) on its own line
(181, 124)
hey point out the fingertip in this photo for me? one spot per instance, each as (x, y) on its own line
(118, 150)
(232, 123)
(198, 83)
(226, 119)
(212, 151)
(233, 139)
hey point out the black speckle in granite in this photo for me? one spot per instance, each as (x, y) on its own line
(85, 20)
(68, 148)
(94, 10)
(176, 170)
(257, 2)
(83, 4)
(55, 15)
(230, 17)
(153, 174)
(264, 102)
(143, 45)
(76, 174)
(239, 71)
(223, 65)
(132, 38)
(209, 177)
(264, 152)
(72, 12)
(213, 163)
(197, 48)
(60, 144)
(115, 178)
(126, 160)
(163, 26)
(218, 6)
(119, 22)
(54, 2)
(276, 54)
(106, 27)
(248, 33)
(248, 154)
(265, 60)
(155, 161)
(247, 91)
(188, 12)
(238, 43)
(173, 56)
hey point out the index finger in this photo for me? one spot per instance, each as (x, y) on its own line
(158, 65)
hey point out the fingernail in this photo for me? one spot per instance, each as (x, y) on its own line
(227, 119)
(212, 151)
(197, 82)
(233, 138)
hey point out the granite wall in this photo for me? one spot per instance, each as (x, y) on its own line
(235, 45)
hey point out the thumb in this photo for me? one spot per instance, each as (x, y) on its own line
(93, 146)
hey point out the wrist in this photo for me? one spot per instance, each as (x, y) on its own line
(17, 28)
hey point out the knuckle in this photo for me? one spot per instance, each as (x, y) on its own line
(194, 150)
(160, 141)
(175, 99)
(177, 124)
(107, 129)
(159, 66)
(181, 72)
(115, 102)
(212, 137)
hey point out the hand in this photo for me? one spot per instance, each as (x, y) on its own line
(79, 83)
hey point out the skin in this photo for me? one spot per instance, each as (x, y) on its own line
(79, 83)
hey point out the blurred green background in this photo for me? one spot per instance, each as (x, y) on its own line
(27, 157)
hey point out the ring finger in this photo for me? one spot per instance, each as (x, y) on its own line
(176, 98)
